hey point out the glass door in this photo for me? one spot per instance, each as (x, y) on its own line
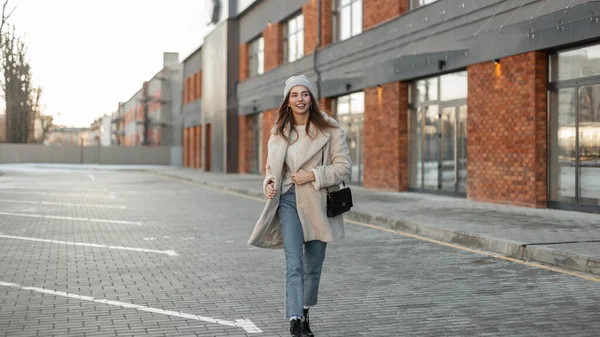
(448, 155)
(575, 145)
(438, 134)
(588, 139)
(255, 141)
(453, 145)
(352, 125)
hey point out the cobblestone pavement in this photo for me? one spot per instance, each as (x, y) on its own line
(134, 254)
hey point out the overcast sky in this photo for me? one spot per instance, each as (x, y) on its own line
(88, 55)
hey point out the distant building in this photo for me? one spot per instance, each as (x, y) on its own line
(146, 118)
(106, 131)
(61, 135)
(101, 131)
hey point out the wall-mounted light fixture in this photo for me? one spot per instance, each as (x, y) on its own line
(441, 64)
(498, 67)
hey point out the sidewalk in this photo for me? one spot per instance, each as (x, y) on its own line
(561, 238)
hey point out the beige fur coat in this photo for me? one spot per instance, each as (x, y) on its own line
(311, 198)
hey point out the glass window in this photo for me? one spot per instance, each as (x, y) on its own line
(294, 39)
(418, 3)
(453, 86)
(562, 144)
(349, 18)
(589, 144)
(426, 90)
(256, 59)
(438, 133)
(574, 130)
(350, 111)
(577, 63)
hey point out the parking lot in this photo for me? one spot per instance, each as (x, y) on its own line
(124, 253)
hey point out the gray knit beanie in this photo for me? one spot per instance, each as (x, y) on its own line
(297, 80)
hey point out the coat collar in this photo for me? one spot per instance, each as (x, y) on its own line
(319, 139)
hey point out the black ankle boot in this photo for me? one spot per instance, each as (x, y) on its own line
(306, 326)
(296, 328)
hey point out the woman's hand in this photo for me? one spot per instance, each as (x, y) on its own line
(302, 177)
(271, 190)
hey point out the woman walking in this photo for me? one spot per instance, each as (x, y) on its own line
(307, 155)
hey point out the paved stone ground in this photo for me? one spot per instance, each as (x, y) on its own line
(516, 224)
(375, 283)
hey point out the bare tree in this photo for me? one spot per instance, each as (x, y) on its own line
(18, 90)
(3, 21)
(45, 121)
(23, 107)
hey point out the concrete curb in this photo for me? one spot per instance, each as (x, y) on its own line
(514, 249)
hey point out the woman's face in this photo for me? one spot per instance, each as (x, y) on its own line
(299, 100)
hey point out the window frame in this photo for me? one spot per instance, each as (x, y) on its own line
(554, 86)
(254, 68)
(413, 6)
(337, 14)
(287, 35)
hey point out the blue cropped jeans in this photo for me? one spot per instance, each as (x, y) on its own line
(304, 261)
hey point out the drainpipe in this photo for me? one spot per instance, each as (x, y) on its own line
(315, 50)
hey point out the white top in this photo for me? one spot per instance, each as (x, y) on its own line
(292, 155)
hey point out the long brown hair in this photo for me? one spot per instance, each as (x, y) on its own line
(285, 117)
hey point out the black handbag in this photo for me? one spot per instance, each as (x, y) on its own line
(340, 201)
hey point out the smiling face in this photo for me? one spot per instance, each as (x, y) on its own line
(299, 100)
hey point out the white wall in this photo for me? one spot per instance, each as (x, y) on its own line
(105, 138)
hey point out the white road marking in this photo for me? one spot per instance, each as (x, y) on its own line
(245, 324)
(54, 188)
(167, 252)
(149, 239)
(72, 218)
(79, 195)
(91, 176)
(62, 204)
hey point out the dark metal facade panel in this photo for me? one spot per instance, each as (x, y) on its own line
(237, 7)
(193, 63)
(232, 119)
(214, 92)
(459, 33)
(253, 22)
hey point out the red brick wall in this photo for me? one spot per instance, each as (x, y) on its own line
(198, 146)
(273, 36)
(244, 62)
(386, 137)
(309, 10)
(193, 149)
(378, 11)
(506, 145)
(192, 146)
(192, 88)
(268, 120)
(199, 85)
(186, 146)
(244, 144)
(325, 105)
